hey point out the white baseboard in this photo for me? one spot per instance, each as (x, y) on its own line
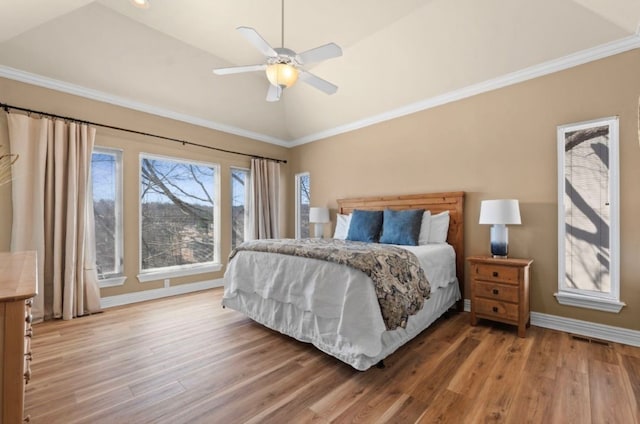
(586, 328)
(141, 296)
(582, 328)
(553, 322)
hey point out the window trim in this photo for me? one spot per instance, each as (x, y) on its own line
(297, 205)
(247, 199)
(117, 278)
(112, 282)
(608, 302)
(154, 274)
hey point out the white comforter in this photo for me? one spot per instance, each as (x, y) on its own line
(330, 305)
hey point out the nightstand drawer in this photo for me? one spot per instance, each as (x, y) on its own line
(496, 291)
(497, 309)
(492, 272)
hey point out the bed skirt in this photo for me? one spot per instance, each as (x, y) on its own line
(322, 332)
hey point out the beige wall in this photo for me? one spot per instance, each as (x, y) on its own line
(37, 98)
(500, 144)
(495, 145)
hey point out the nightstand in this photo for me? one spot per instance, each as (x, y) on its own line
(500, 290)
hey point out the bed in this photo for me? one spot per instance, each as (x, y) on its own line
(335, 307)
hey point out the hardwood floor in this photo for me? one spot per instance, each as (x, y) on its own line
(187, 360)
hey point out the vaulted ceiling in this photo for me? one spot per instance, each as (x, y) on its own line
(399, 56)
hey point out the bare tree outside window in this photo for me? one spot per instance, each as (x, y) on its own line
(303, 199)
(107, 207)
(177, 213)
(239, 199)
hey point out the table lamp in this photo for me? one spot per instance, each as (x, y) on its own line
(319, 217)
(500, 213)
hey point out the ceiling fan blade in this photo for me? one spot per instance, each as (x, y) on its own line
(328, 51)
(274, 93)
(258, 42)
(317, 82)
(239, 69)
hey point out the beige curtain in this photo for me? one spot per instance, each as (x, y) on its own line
(53, 212)
(265, 192)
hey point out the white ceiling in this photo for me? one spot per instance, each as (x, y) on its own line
(399, 56)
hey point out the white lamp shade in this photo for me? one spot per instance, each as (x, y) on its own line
(502, 211)
(319, 215)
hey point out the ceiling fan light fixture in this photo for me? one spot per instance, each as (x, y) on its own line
(141, 4)
(282, 74)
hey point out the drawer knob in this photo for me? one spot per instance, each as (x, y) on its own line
(495, 309)
(29, 356)
(495, 291)
(29, 318)
(27, 419)
(29, 302)
(495, 273)
(27, 376)
(29, 333)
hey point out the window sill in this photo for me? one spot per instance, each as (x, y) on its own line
(112, 282)
(589, 302)
(169, 272)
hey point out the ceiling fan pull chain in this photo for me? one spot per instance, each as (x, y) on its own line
(282, 22)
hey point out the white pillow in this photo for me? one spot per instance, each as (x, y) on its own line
(439, 227)
(424, 228)
(342, 227)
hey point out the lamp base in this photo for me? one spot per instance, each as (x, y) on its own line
(499, 241)
(319, 230)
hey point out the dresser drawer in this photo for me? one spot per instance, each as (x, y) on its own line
(500, 310)
(496, 291)
(500, 273)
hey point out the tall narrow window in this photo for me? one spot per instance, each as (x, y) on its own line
(179, 217)
(303, 198)
(106, 177)
(239, 203)
(588, 215)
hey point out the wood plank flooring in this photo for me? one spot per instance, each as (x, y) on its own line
(187, 360)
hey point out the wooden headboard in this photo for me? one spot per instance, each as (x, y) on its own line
(435, 202)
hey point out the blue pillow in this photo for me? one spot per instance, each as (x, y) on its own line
(401, 227)
(365, 226)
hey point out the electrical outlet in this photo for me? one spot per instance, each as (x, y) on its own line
(166, 283)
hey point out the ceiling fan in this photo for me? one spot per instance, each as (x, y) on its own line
(284, 66)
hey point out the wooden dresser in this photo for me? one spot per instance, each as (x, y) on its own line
(500, 290)
(18, 282)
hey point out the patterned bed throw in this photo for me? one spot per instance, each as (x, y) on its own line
(400, 283)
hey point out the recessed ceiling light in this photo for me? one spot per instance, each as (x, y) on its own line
(142, 4)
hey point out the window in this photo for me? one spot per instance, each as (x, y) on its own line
(179, 225)
(588, 215)
(239, 202)
(106, 177)
(303, 197)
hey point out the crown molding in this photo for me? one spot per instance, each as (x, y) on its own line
(88, 93)
(560, 64)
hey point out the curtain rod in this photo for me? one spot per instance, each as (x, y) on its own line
(6, 107)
